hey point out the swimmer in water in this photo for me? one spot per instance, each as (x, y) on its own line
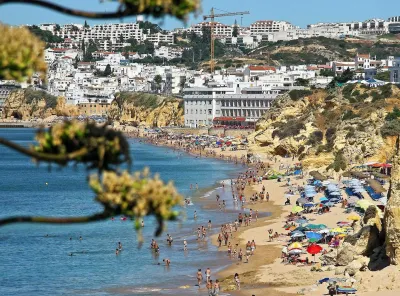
(197, 186)
(119, 246)
(116, 251)
(167, 261)
(142, 223)
(195, 215)
(80, 238)
(184, 245)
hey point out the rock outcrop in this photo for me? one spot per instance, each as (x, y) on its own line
(392, 212)
(329, 129)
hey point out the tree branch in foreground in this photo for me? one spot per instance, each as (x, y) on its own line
(61, 159)
(74, 12)
(126, 8)
(56, 220)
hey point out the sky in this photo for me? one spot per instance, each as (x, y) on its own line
(298, 12)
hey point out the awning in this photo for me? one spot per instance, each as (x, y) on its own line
(376, 186)
(238, 119)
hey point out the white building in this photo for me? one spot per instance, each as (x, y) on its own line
(168, 52)
(266, 27)
(368, 27)
(160, 37)
(220, 30)
(226, 103)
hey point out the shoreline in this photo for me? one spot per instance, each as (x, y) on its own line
(271, 209)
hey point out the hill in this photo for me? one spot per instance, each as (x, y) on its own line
(332, 129)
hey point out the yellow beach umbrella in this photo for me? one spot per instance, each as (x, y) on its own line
(295, 245)
(297, 209)
(342, 235)
(338, 230)
(364, 204)
(354, 217)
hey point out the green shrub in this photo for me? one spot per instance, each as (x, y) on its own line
(349, 114)
(347, 90)
(391, 128)
(31, 94)
(386, 90)
(315, 138)
(363, 148)
(351, 133)
(393, 115)
(289, 129)
(362, 97)
(376, 96)
(330, 136)
(339, 162)
(297, 94)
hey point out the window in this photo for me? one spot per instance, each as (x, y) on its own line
(209, 111)
(217, 112)
(396, 75)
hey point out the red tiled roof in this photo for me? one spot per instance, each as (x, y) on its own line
(366, 56)
(262, 68)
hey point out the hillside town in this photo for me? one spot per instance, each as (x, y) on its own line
(88, 65)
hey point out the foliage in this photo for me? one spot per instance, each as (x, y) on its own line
(395, 114)
(107, 71)
(346, 76)
(31, 95)
(297, 94)
(95, 146)
(91, 48)
(349, 114)
(302, 82)
(235, 31)
(148, 101)
(386, 90)
(316, 137)
(339, 162)
(137, 195)
(21, 54)
(330, 136)
(327, 73)
(289, 129)
(384, 76)
(45, 36)
(347, 90)
(149, 27)
(351, 132)
(391, 128)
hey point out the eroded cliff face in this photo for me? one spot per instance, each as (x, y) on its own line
(328, 129)
(19, 105)
(392, 213)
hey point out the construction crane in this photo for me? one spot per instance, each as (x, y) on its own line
(212, 16)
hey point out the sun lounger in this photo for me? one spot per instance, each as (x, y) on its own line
(346, 290)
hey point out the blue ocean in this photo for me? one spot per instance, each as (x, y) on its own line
(34, 259)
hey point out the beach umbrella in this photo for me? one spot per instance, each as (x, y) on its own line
(342, 223)
(308, 205)
(329, 204)
(323, 231)
(334, 199)
(363, 204)
(353, 217)
(352, 200)
(297, 234)
(295, 245)
(301, 221)
(338, 230)
(313, 235)
(310, 194)
(322, 199)
(301, 228)
(326, 183)
(314, 249)
(316, 226)
(301, 200)
(335, 193)
(295, 252)
(297, 209)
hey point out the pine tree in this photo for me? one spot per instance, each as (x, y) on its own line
(83, 46)
(235, 31)
(86, 25)
(107, 71)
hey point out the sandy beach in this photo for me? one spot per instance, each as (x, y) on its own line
(265, 274)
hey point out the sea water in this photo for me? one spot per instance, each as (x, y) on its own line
(35, 258)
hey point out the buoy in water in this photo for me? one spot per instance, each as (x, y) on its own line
(47, 183)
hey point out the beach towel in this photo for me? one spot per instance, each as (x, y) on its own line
(346, 290)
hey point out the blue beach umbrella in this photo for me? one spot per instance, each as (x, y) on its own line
(322, 199)
(329, 204)
(313, 235)
(300, 229)
(308, 205)
(301, 221)
(310, 194)
(297, 234)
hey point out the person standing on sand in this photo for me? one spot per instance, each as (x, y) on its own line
(209, 287)
(216, 288)
(208, 274)
(197, 186)
(237, 281)
(199, 277)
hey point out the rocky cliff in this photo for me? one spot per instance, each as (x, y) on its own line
(31, 104)
(331, 129)
(133, 108)
(147, 110)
